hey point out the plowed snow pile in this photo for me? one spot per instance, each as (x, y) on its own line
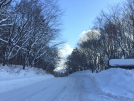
(114, 82)
(118, 82)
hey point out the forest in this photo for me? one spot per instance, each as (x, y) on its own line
(112, 37)
(29, 33)
(30, 36)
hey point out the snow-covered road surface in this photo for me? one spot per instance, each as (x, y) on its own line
(76, 87)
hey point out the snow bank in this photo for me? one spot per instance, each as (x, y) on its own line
(118, 82)
(115, 82)
(15, 77)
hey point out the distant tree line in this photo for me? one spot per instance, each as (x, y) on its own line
(28, 33)
(111, 37)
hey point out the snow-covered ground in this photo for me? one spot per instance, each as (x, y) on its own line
(117, 82)
(14, 77)
(114, 84)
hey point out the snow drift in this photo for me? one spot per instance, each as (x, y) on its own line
(115, 82)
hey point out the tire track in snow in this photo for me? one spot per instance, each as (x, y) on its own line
(23, 93)
(65, 91)
(55, 91)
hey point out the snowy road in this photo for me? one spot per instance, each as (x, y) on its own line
(72, 88)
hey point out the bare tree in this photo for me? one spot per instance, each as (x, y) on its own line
(29, 31)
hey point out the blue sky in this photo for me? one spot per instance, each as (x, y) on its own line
(79, 16)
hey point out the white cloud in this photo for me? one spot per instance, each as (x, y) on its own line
(89, 34)
(83, 33)
(65, 51)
